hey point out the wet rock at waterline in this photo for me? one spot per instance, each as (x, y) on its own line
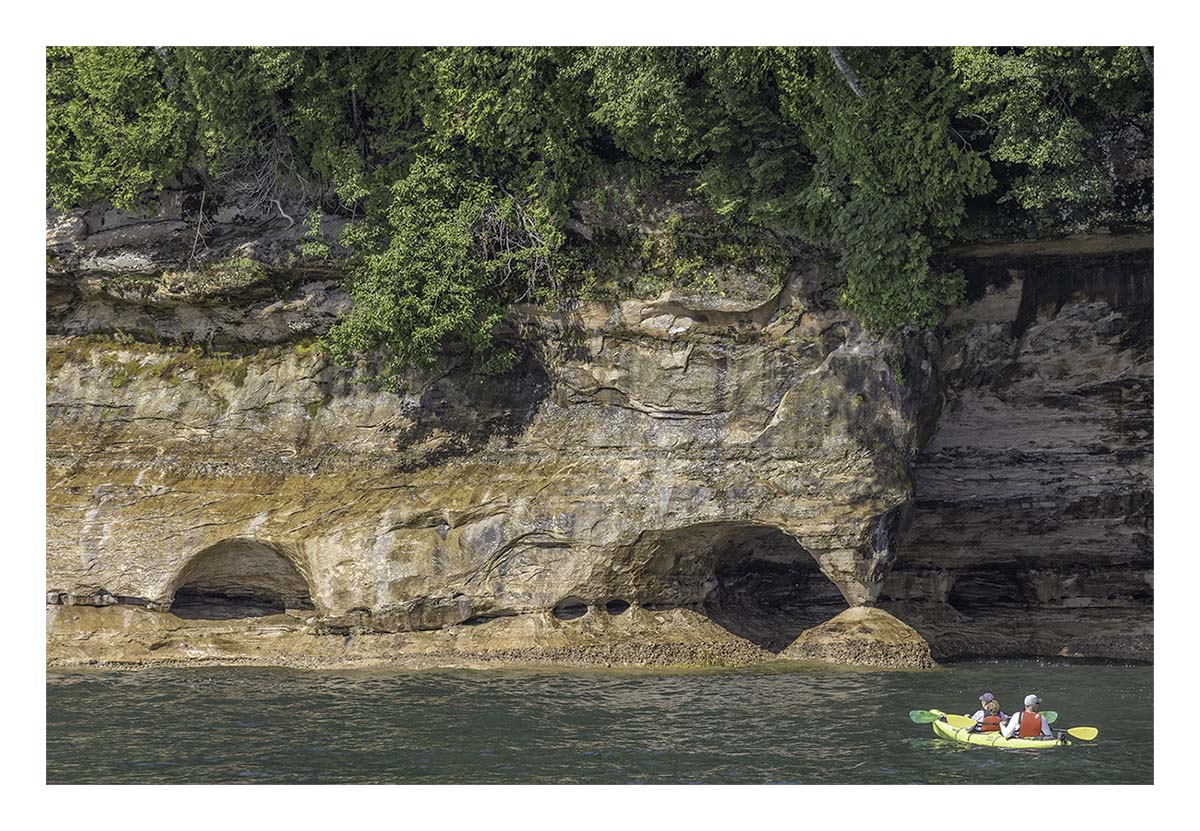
(865, 637)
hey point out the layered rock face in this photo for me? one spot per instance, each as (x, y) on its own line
(683, 479)
(1033, 527)
(740, 460)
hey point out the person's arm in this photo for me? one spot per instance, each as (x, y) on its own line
(1046, 731)
(1006, 730)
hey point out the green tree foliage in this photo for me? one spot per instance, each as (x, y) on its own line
(782, 141)
(460, 167)
(889, 182)
(116, 123)
(452, 253)
(1047, 117)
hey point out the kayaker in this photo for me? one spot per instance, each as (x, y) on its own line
(988, 717)
(1029, 723)
(993, 720)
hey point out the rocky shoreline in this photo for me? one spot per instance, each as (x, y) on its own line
(123, 637)
(118, 637)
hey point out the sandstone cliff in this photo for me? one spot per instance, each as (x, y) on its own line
(682, 479)
(1033, 520)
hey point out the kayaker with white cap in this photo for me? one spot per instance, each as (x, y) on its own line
(1029, 723)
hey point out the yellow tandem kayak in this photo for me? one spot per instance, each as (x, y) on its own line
(943, 730)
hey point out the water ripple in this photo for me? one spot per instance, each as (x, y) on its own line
(759, 725)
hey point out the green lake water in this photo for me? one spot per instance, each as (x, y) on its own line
(778, 724)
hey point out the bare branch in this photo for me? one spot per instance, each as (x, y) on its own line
(286, 216)
(844, 67)
(199, 222)
(1145, 50)
(268, 173)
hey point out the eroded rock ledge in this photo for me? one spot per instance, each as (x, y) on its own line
(707, 478)
(863, 636)
(132, 637)
(742, 462)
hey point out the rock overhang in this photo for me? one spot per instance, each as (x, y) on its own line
(651, 416)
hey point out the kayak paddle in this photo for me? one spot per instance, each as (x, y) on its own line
(1050, 716)
(1085, 733)
(957, 722)
(930, 716)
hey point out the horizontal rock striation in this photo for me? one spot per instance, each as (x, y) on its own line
(1033, 523)
(743, 459)
(685, 479)
(220, 279)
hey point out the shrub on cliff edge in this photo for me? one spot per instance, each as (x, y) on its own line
(460, 167)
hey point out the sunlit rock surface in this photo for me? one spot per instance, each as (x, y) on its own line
(705, 477)
(865, 636)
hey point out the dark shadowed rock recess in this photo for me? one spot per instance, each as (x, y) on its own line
(718, 479)
(1032, 531)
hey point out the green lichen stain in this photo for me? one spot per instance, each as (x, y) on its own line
(126, 361)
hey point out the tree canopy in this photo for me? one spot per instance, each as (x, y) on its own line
(461, 169)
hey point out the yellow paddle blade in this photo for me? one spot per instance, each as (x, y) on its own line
(1085, 733)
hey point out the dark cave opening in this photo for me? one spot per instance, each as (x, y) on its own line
(770, 604)
(199, 603)
(755, 581)
(770, 589)
(1016, 587)
(572, 608)
(979, 591)
(237, 579)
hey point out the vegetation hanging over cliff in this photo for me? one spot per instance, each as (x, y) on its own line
(464, 170)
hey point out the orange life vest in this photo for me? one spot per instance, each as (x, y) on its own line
(1031, 725)
(990, 724)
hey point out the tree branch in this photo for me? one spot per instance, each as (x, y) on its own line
(199, 222)
(1145, 50)
(286, 216)
(844, 67)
